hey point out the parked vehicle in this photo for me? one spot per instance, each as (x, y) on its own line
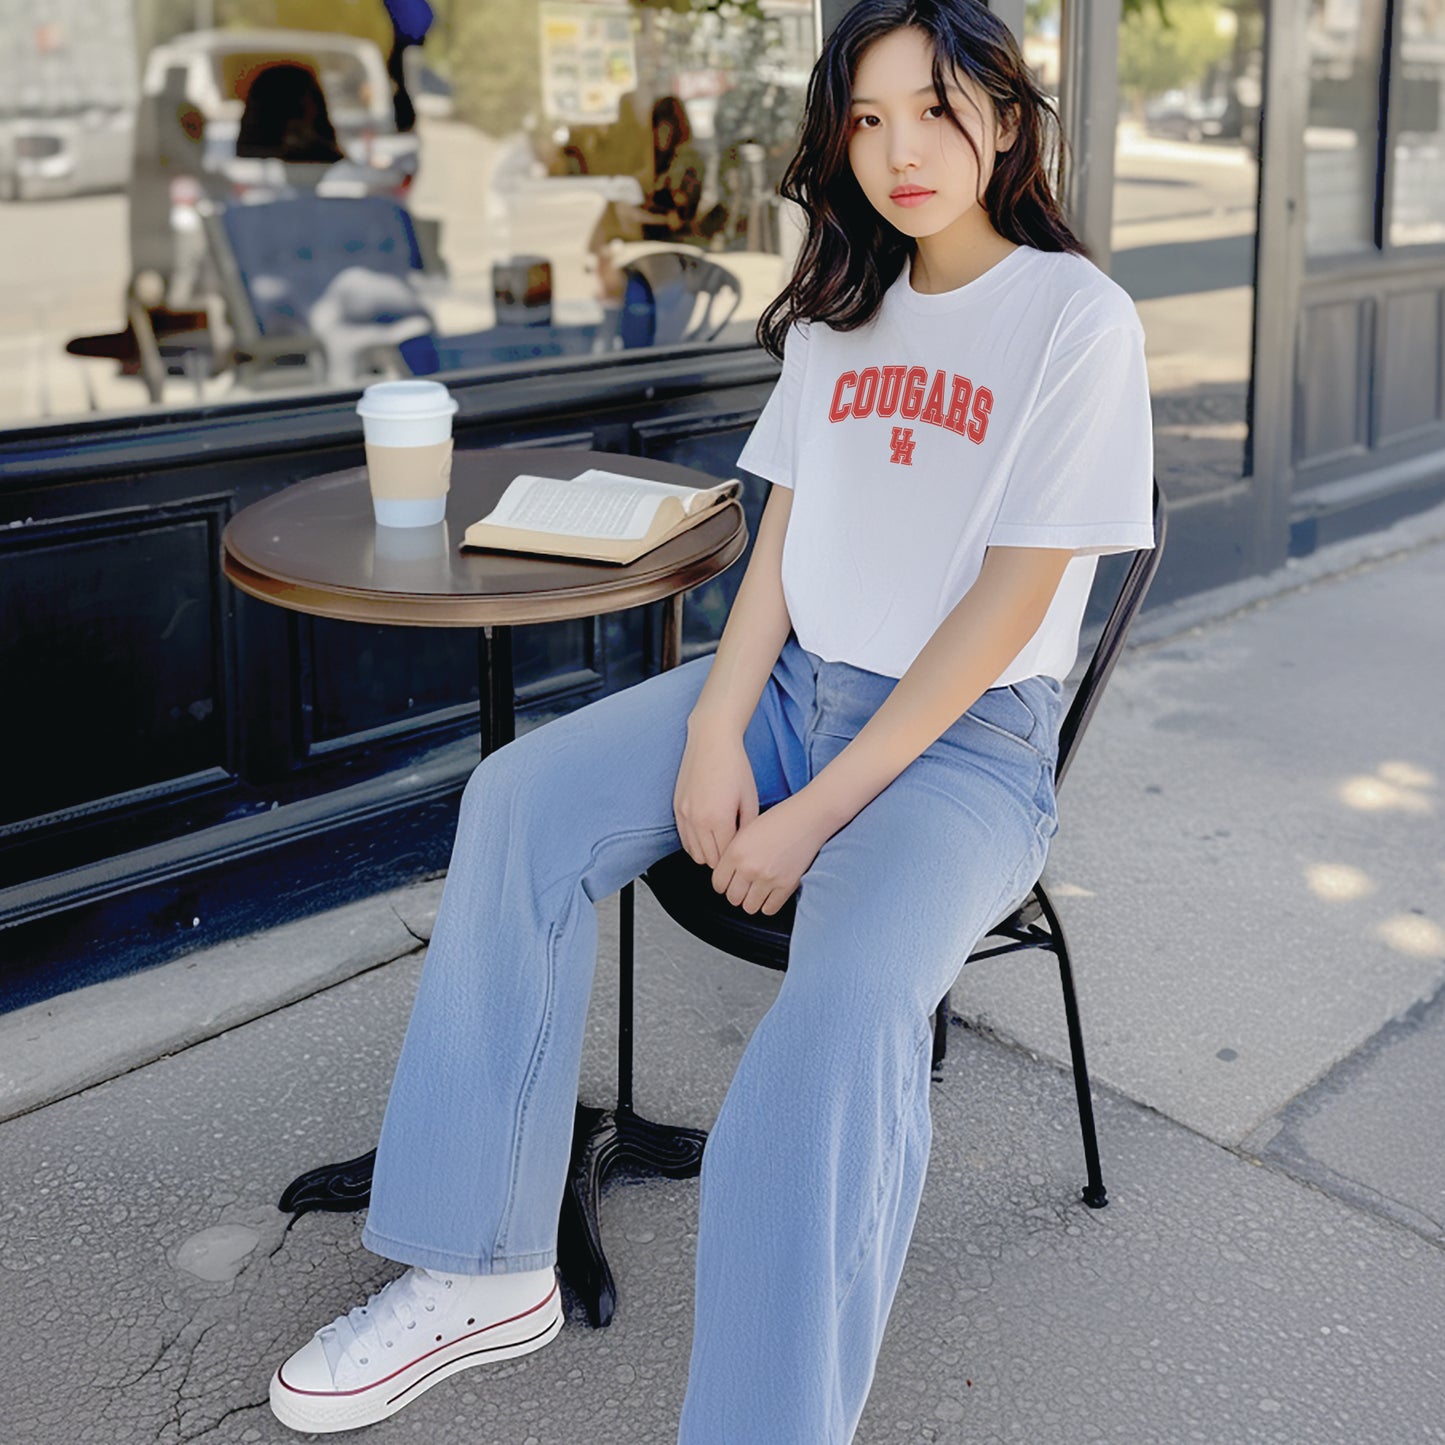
(67, 100)
(193, 93)
(1228, 114)
(1187, 117)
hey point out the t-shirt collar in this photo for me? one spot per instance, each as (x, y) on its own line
(981, 286)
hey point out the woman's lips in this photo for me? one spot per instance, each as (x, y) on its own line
(909, 198)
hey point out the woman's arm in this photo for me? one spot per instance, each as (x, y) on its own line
(756, 629)
(716, 793)
(762, 865)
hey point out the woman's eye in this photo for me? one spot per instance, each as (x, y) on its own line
(864, 122)
(935, 112)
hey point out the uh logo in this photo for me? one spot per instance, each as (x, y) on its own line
(901, 447)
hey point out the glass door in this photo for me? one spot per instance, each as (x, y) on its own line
(1185, 223)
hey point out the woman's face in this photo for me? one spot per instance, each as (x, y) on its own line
(915, 166)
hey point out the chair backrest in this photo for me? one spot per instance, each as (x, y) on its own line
(1111, 640)
(276, 258)
(663, 288)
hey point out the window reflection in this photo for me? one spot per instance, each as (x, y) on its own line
(300, 195)
(1043, 51)
(1342, 126)
(1041, 44)
(1186, 175)
(1417, 214)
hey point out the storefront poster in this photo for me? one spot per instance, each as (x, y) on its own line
(589, 61)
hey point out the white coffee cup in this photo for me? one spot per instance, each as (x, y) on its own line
(408, 430)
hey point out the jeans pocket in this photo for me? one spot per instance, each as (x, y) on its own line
(1003, 710)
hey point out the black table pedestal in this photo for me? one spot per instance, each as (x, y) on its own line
(605, 1140)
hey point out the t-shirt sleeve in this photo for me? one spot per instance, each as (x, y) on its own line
(1083, 476)
(771, 451)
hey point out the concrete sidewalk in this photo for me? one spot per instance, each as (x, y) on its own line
(1252, 871)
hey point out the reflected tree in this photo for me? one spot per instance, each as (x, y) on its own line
(366, 19)
(493, 60)
(1161, 51)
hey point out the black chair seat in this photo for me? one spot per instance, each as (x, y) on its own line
(684, 890)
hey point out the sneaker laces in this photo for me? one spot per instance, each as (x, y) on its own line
(366, 1333)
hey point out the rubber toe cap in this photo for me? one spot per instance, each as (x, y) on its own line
(307, 1369)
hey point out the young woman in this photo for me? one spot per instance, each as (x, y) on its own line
(961, 427)
(673, 187)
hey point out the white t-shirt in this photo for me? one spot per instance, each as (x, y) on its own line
(1013, 411)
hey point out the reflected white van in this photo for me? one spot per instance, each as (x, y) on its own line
(192, 97)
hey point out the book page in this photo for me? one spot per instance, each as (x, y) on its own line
(577, 508)
(594, 503)
(690, 497)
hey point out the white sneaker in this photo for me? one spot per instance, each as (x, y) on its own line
(419, 1329)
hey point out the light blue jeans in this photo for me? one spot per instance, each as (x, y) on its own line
(812, 1174)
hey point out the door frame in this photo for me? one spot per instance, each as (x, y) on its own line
(1278, 270)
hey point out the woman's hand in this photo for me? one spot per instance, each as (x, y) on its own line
(761, 867)
(715, 793)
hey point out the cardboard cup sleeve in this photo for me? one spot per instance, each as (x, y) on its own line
(404, 474)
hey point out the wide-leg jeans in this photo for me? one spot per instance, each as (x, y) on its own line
(812, 1174)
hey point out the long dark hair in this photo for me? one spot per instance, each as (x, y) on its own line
(850, 254)
(670, 109)
(285, 116)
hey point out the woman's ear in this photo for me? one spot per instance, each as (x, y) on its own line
(1008, 127)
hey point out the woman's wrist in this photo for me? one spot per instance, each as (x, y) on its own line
(713, 720)
(811, 815)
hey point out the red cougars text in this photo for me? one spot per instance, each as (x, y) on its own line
(907, 391)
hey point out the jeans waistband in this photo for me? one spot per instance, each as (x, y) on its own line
(845, 697)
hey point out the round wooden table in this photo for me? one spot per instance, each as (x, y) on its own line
(315, 547)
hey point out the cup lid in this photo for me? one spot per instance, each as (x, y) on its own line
(406, 399)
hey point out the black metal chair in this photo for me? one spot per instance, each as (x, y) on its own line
(660, 304)
(607, 1139)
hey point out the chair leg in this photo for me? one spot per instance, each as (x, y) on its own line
(626, 939)
(1094, 1195)
(940, 1034)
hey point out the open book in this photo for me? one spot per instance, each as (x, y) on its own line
(600, 516)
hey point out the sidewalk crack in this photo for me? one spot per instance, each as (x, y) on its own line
(419, 937)
(221, 1420)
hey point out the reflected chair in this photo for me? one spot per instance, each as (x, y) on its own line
(676, 296)
(318, 289)
(158, 343)
(606, 1139)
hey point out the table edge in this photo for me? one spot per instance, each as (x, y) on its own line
(421, 610)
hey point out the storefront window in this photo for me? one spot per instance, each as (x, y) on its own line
(1343, 125)
(1186, 179)
(1041, 44)
(214, 200)
(1417, 213)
